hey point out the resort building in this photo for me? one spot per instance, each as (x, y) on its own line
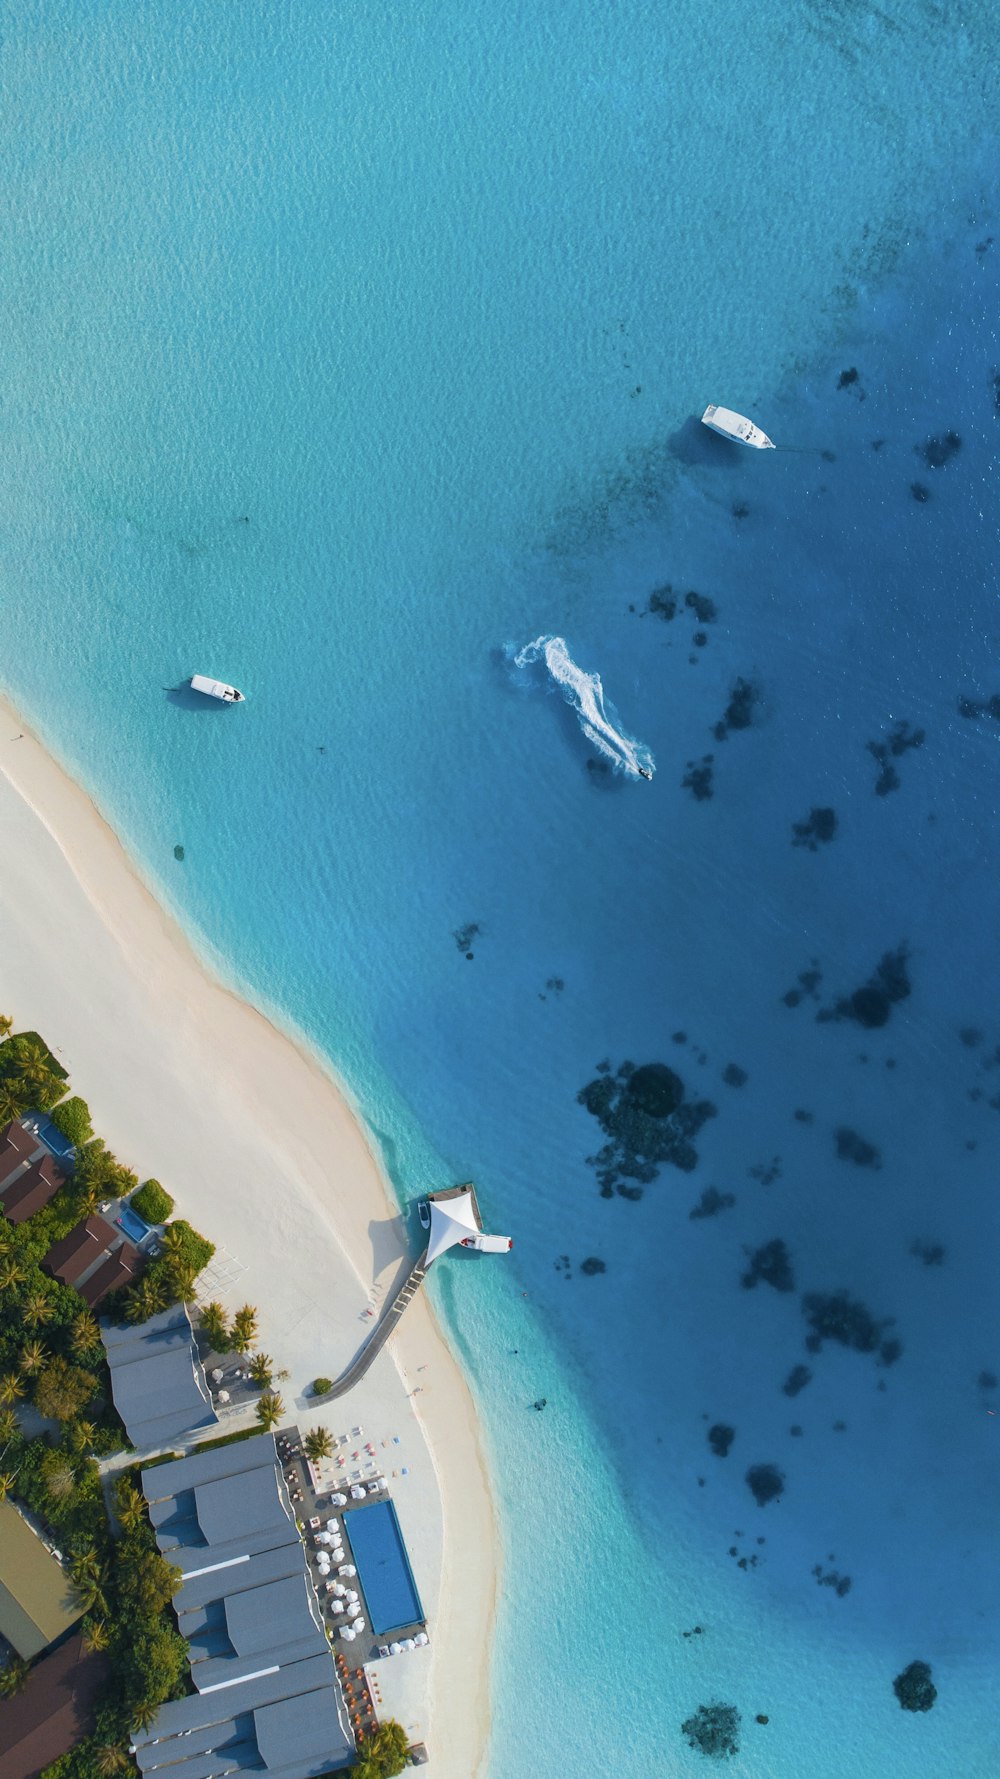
(37, 1601)
(267, 1698)
(69, 1259)
(157, 1379)
(17, 1148)
(31, 1187)
(53, 1711)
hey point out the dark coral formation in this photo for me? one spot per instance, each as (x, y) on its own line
(766, 1171)
(593, 1265)
(739, 711)
(872, 1003)
(914, 1688)
(818, 829)
(797, 1379)
(765, 1482)
(852, 1147)
(807, 984)
(704, 609)
(662, 603)
(921, 493)
(980, 707)
(772, 1264)
(463, 936)
(698, 778)
(938, 451)
(900, 739)
(829, 1578)
(931, 1253)
(711, 1202)
(838, 1317)
(734, 1076)
(720, 1438)
(648, 1122)
(714, 1730)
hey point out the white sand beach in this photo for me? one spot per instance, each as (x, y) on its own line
(261, 1151)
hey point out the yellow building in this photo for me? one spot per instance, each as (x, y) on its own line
(37, 1600)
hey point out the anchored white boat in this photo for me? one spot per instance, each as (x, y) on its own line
(216, 688)
(736, 426)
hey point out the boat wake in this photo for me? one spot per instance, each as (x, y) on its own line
(586, 694)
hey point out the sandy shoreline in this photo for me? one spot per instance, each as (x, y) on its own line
(260, 1149)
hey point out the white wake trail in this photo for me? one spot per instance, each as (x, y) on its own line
(586, 694)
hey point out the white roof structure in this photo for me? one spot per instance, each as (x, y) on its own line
(451, 1221)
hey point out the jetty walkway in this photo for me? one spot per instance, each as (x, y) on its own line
(383, 1331)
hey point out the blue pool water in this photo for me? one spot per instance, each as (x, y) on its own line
(133, 1225)
(384, 1568)
(54, 1140)
(344, 356)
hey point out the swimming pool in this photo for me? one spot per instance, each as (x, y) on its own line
(54, 1140)
(132, 1224)
(384, 1568)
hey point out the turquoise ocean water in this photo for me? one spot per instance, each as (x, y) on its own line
(344, 355)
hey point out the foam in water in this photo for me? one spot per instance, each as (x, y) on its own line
(585, 693)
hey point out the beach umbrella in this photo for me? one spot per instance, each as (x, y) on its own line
(338, 1501)
(347, 1569)
(331, 1525)
(347, 1633)
(421, 1638)
(394, 1648)
(359, 1625)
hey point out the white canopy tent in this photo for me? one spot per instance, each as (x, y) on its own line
(451, 1221)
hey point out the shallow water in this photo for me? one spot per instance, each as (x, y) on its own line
(342, 359)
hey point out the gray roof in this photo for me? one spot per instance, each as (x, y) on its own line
(268, 1700)
(157, 1379)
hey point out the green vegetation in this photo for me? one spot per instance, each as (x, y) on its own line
(210, 1445)
(170, 1277)
(270, 1409)
(387, 1754)
(244, 1328)
(215, 1327)
(72, 1117)
(261, 1369)
(31, 1079)
(152, 1202)
(320, 1385)
(318, 1444)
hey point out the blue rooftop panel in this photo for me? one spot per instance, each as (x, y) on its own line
(383, 1568)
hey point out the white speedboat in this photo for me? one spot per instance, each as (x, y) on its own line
(736, 426)
(216, 688)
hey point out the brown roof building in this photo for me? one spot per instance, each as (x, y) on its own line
(17, 1146)
(120, 1268)
(52, 1712)
(69, 1259)
(32, 1189)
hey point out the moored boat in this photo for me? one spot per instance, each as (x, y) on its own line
(216, 688)
(736, 426)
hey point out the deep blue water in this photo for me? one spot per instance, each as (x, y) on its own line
(345, 357)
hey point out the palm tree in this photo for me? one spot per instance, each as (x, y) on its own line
(130, 1505)
(33, 1356)
(6, 1025)
(144, 1713)
(37, 1308)
(14, 1102)
(215, 1327)
(318, 1443)
(81, 1436)
(33, 1065)
(13, 1677)
(95, 1635)
(85, 1336)
(11, 1274)
(7, 1481)
(89, 1194)
(11, 1387)
(270, 1409)
(90, 1580)
(182, 1277)
(110, 1759)
(244, 1328)
(8, 1425)
(145, 1299)
(261, 1369)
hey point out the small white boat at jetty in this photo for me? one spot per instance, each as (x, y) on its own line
(736, 426)
(216, 688)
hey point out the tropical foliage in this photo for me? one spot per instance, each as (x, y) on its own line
(386, 1754)
(318, 1443)
(270, 1409)
(170, 1277)
(30, 1077)
(244, 1328)
(152, 1202)
(72, 1117)
(321, 1385)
